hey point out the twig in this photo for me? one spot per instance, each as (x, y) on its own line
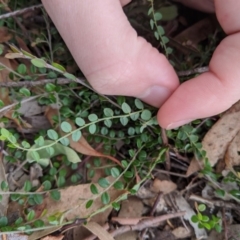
(167, 155)
(146, 223)
(19, 12)
(213, 203)
(193, 71)
(157, 200)
(35, 83)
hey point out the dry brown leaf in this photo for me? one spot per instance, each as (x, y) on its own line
(73, 200)
(163, 186)
(39, 234)
(181, 233)
(82, 145)
(5, 36)
(217, 139)
(128, 221)
(59, 237)
(98, 231)
(232, 157)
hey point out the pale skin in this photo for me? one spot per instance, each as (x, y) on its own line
(118, 62)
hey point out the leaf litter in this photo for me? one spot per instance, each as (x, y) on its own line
(156, 197)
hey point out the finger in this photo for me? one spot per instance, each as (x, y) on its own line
(208, 94)
(228, 15)
(214, 92)
(108, 51)
(125, 2)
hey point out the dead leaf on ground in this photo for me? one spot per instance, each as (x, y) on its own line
(98, 231)
(218, 138)
(181, 233)
(5, 35)
(60, 237)
(82, 145)
(163, 186)
(74, 198)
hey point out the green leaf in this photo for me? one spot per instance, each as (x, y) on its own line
(4, 186)
(25, 144)
(164, 40)
(124, 121)
(105, 198)
(194, 219)
(79, 121)
(201, 207)
(156, 35)
(1, 103)
(206, 225)
(69, 76)
(22, 69)
(38, 223)
(103, 182)
(134, 116)
(19, 221)
(55, 195)
(47, 185)
(160, 30)
(124, 163)
(66, 127)
(89, 203)
(65, 141)
(115, 172)
(146, 115)
(116, 206)
(61, 181)
(220, 192)
(25, 92)
(59, 149)
(157, 16)
(3, 221)
(93, 189)
(92, 117)
(118, 185)
(39, 141)
(108, 112)
(169, 50)
(128, 174)
(50, 87)
(169, 12)
(92, 128)
(76, 136)
(33, 155)
(199, 215)
(205, 218)
(31, 215)
(52, 134)
(108, 123)
(38, 199)
(27, 186)
(38, 62)
(50, 151)
(59, 67)
(126, 108)
(218, 228)
(44, 162)
(151, 24)
(150, 10)
(5, 132)
(131, 131)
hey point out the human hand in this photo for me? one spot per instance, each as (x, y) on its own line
(117, 62)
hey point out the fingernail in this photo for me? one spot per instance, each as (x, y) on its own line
(155, 95)
(178, 123)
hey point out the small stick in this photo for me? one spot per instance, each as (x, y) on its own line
(35, 83)
(146, 223)
(193, 71)
(167, 155)
(19, 12)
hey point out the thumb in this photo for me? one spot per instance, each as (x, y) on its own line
(213, 92)
(108, 51)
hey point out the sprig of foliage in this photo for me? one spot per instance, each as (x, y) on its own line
(205, 221)
(159, 31)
